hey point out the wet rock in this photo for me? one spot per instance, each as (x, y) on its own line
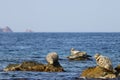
(12, 67)
(98, 72)
(33, 66)
(52, 66)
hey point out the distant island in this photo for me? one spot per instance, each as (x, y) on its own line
(28, 30)
(5, 29)
(8, 29)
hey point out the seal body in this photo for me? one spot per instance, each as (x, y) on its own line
(103, 62)
(52, 58)
(73, 51)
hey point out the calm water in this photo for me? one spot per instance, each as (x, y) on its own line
(19, 47)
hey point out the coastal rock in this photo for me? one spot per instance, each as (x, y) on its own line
(78, 55)
(12, 67)
(52, 68)
(97, 72)
(25, 66)
(34, 66)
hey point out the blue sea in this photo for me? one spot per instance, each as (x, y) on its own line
(19, 47)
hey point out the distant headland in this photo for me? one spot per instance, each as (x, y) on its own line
(28, 30)
(8, 29)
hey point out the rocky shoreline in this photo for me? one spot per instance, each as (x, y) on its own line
(102, 71)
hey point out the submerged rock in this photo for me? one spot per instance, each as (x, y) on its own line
(97, 72)
(35, 66)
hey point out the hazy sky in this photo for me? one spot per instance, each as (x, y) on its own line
(61, 15)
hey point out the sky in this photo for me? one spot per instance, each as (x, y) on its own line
(61, 15)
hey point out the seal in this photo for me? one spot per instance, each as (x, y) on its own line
(103, 61)
(73, 51)
(52, 58)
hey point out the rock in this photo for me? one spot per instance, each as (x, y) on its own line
(103, 62)
(12, 67)
(28, 30)
(97, 72)
(33, 66)
(52, 66)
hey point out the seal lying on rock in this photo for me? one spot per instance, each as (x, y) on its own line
(104, 68)
(103, 62)
(78, 55)
(52, 66)
(73, 51)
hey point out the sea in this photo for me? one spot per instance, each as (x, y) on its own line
(18, 47)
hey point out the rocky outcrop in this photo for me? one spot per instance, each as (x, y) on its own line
(5, 29)
(104, 69)
(34, 66)
(28, 30)
(98, 72)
